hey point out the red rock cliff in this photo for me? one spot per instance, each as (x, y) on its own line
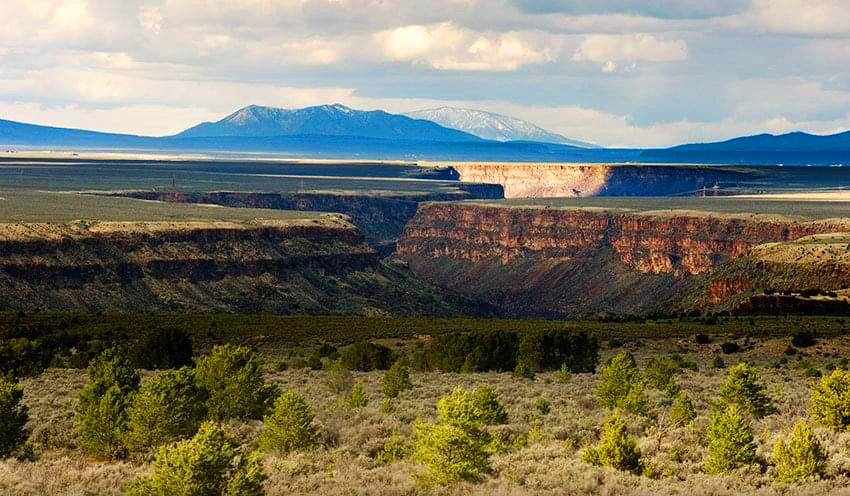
(476, 248)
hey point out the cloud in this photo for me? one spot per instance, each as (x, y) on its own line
(607, 50)
(815, 17)
(664, 9)
(444, 46)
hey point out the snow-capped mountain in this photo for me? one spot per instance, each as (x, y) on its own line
(326, 120)
(492, 126)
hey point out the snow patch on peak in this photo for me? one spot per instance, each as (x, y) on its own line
(493, 126)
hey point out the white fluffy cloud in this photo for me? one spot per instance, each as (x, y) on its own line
(610, 49)
(445, 46)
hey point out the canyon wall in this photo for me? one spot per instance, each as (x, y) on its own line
(381, 218)
(572, 262)
(320, 265)
(570, 180)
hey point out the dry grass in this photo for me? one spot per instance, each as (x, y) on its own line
(345, 464)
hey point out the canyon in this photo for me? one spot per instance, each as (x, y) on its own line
(544, 180)
(581, 180)
(571, 262)
(321, 265)
(380, 217)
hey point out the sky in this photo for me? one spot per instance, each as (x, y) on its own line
(639, 73)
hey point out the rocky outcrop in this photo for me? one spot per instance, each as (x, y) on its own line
(568, 180)
(321, 265)
(569, 262)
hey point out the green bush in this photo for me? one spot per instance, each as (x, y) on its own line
(621, 385)
(524, 370)
(13, 417)
(102, 409)
(167, 408)
(660, 370)
(616, 448)
(338, 378)
(290, 425)
(563, 375)
(358, 397)
(233, 376)
(395, 449)
(683, 410)
(397, 379)
(366, 356)
(743, 388)
(490, 410)
(542, 406)
(730, 442)
(831, 401)
(209, 464)
(502, 350)
(455, 449)
(802, 458)
(163, 349)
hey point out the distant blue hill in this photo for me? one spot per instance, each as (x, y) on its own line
(328, 120)
(791, 148)
(796, 141)
(334, 131)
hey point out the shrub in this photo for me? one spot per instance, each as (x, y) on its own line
(730, 347)
(524, 370)
(13, 417)
(338, 378)
(702, 339)
(366, 356)
(327, 351)
(683, 410)
(802, 458)
(290, 425)
(730, 442)
(486, 401)
(395, 449)
(563, 376)
(744, 389)
(314, 362)
(542, 406)
(831, 401)
(503, 350)
(621, 385)
(167, 408)
(233, 376)
(102, 410)
(358, 397)
(208, 464)
(397, 379)
(616, 448)
(803, 339)
(455, 449)
(672, 389)
(163, 349)
(718, 362)
(660, 370)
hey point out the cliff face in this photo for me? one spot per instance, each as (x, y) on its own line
(381, 218)
(572, 262)
(554, 180)
(317, 266)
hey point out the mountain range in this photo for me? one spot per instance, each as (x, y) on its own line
(497, 127)
(336, 131)
(328, 120)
